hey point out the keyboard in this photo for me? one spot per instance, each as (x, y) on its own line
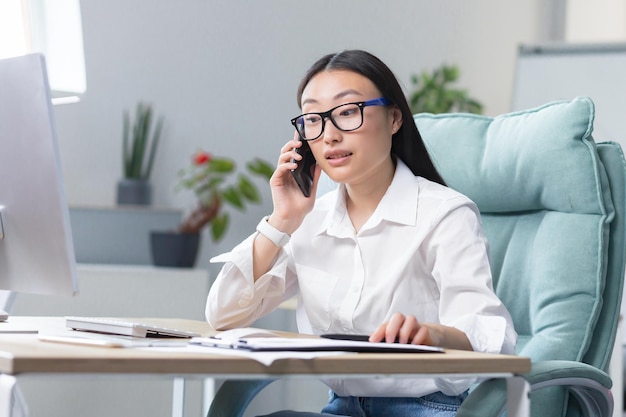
(124, 327)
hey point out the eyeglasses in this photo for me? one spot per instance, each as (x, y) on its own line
(345, 117)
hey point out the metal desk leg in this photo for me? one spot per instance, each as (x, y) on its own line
(178, 398)
(517, 397)
(7, 386)
(12, 403)
(208, 395)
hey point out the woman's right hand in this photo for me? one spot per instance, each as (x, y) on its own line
(290, 204)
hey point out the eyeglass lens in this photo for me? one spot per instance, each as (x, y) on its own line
(345, 117)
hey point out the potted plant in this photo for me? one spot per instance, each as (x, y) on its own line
(139, 148)
(433, 93)
(212, 179)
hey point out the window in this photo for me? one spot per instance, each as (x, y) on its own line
(52, 27)
(13, 28)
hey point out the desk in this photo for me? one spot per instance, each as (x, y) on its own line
(23, 354)
(124, 291)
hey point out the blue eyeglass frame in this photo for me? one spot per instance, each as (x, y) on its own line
(380, 101)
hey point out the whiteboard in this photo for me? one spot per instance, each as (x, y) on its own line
(546, 73)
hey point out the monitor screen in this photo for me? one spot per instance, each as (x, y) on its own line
(36, 249)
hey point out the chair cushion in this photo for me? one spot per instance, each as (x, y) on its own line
(546, 207)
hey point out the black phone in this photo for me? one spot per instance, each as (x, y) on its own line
(303, 174)
(342, 336)
(353, 337)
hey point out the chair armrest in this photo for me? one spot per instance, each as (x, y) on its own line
(589, 385)
(234, 396)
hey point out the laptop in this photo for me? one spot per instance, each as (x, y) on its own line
(124, 327)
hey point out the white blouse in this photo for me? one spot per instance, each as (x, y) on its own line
(421, 253)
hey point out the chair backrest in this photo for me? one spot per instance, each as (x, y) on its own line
(613, 160)
(552, 204)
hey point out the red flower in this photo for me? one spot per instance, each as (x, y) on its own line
(201, 158)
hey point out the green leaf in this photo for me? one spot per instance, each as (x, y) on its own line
(142, 123)
(260, 167)
(231, 196)
(248, 190)
(153, 147)
(221, 165)
(447, 74)
(219, 225)
(125, 145)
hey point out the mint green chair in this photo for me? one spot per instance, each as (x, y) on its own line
(553, 206)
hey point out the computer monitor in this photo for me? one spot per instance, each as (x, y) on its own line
(36, 248)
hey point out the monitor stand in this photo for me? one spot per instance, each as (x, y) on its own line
(1, 224)
(3, 314)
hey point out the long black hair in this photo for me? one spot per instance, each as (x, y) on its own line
(407, 143)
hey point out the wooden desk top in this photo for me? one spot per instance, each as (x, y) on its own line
(24, 353)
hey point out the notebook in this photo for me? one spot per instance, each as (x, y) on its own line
(124, 327)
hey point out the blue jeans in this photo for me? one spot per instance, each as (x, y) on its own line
(431, 405)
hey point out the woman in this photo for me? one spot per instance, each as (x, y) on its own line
(392, 253)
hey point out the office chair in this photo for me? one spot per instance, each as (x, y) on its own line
(552, 203)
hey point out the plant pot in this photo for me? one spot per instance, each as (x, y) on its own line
(132, 191)
(174, 249)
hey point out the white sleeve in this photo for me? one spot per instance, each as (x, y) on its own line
(462, 270)
(468, 302)
(235, 299)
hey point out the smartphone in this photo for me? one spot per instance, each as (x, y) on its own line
(342, 336)
(303, 174)
(353, 337)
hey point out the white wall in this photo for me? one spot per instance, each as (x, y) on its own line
(224, 74)
(596, 21)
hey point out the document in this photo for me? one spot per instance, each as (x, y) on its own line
(301, 344)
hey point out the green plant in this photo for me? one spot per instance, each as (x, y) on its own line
(433, 93)
(137, 142)
(207, 177)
